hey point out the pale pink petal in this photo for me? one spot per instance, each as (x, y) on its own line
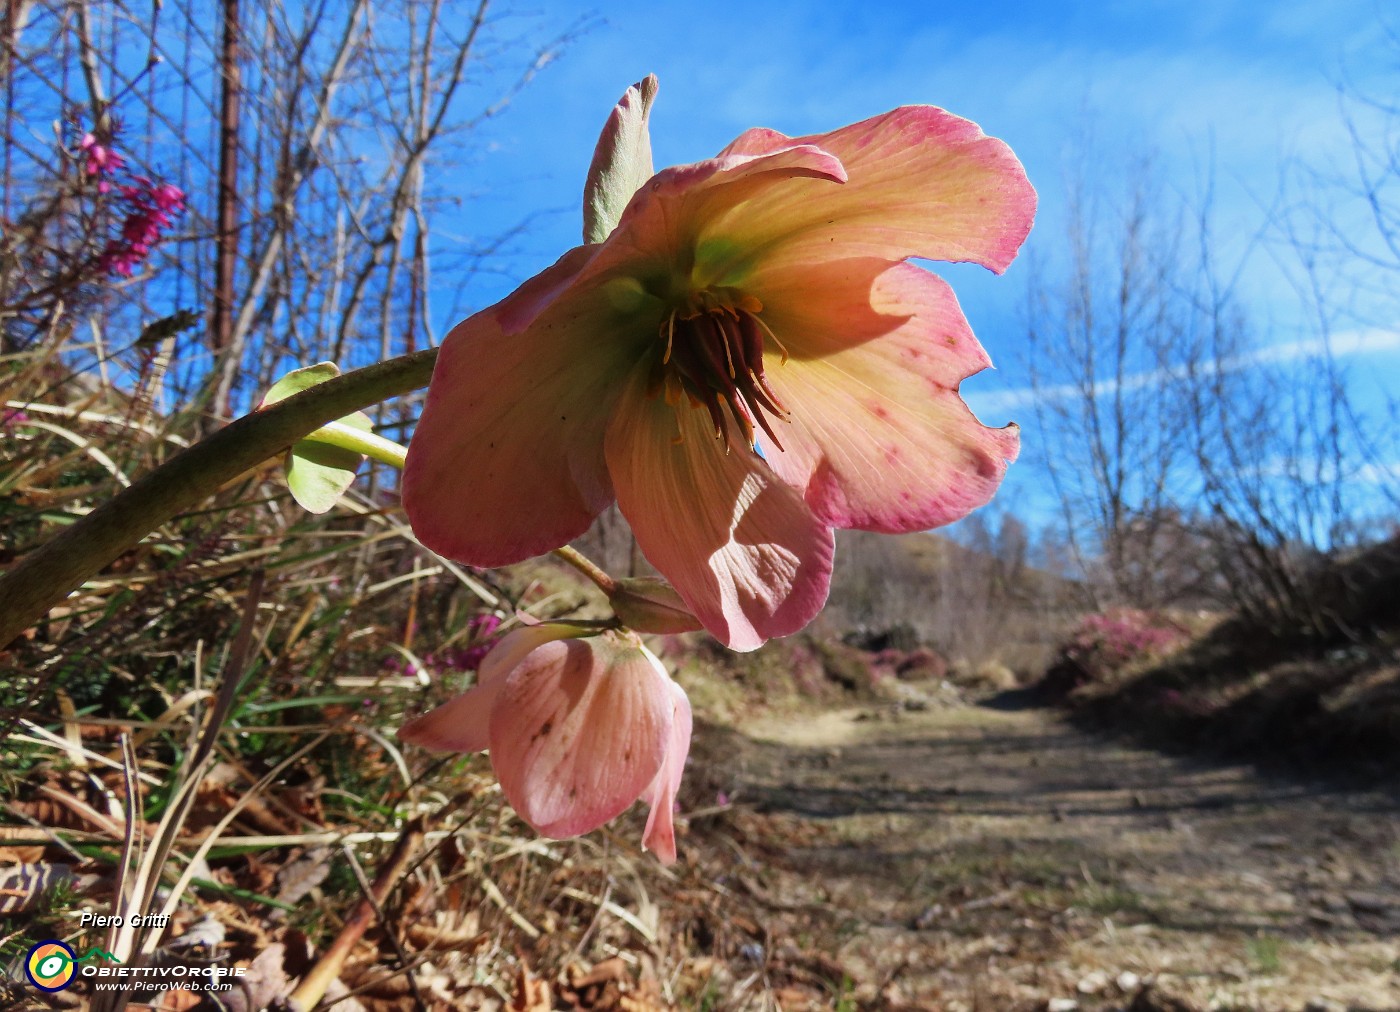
(514, 646)
(579, 732)
(740, 546)
(458, 725)
(660, 833)
(757, 141)
(665, 217)
(878, 437)
(506, 462)
(921, 183)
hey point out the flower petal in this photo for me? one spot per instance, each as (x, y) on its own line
(921, 183)
(461, 724)
(458, 725)
(878, 437)
(740, 546)
(621, 161)
(506, 462)
(578, 732)
(660, 833)
(662, 224)
(515, 645)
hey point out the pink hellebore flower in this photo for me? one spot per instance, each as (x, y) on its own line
(578, 730)
(744, 363)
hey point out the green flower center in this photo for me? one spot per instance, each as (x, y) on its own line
(711, 353)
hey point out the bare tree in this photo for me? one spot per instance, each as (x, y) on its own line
(1194, 456)
(298, 136)
(1105, 361)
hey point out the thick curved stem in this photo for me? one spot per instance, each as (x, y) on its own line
(44, 577)
(588, 568)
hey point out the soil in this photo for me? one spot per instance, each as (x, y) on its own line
(937, 855)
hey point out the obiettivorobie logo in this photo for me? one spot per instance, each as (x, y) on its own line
(51, 965)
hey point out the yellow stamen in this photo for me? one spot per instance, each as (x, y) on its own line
(769, 331)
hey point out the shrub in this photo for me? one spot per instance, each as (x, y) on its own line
(1105, 643)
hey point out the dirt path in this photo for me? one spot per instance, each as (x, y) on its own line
(970, 858)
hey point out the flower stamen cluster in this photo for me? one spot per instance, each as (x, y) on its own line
(713, 355)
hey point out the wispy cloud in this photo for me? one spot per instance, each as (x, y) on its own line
(1346, 344)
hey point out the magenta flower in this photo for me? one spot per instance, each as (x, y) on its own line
(100, 160)
(150, 207)
(744, 363)
(578, 730)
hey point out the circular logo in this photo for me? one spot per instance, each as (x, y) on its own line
(50, 966)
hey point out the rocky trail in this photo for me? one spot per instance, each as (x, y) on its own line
(945, 856)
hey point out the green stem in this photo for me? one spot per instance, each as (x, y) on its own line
(386, 451)
(373, 446)
(47, 575)
(588, 568)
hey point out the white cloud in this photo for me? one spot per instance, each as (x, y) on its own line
(1346, 344)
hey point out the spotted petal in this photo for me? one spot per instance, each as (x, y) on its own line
(921, 183)
(578, 732)
(879, 438)
(740, 546)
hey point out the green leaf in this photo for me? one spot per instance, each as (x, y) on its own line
(318, 474)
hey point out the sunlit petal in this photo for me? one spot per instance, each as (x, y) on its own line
(506, 461)
(879, 438)
(740, 546)
(922, 183)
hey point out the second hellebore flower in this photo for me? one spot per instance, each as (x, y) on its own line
(578, 728)
(744, 362)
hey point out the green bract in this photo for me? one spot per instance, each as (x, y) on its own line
(318, 474)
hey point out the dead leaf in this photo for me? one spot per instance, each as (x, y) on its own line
(531, 992)
(265, 982)
(608, 969)
(425, 936)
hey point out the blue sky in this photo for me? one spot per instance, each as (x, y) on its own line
(1240, 86)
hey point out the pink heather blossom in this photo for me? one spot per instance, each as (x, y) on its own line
(150, 208)
(100, 160)
(578, 729)
(168, 198)
(745, 362)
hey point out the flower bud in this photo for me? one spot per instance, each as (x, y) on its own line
(649, 605)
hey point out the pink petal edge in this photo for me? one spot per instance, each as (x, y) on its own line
(879, 438)
(459, 725)
(659, 836)
(921, 183)
(506, 462)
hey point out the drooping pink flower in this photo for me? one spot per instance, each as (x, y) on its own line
(578, 729)
(744, 363)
